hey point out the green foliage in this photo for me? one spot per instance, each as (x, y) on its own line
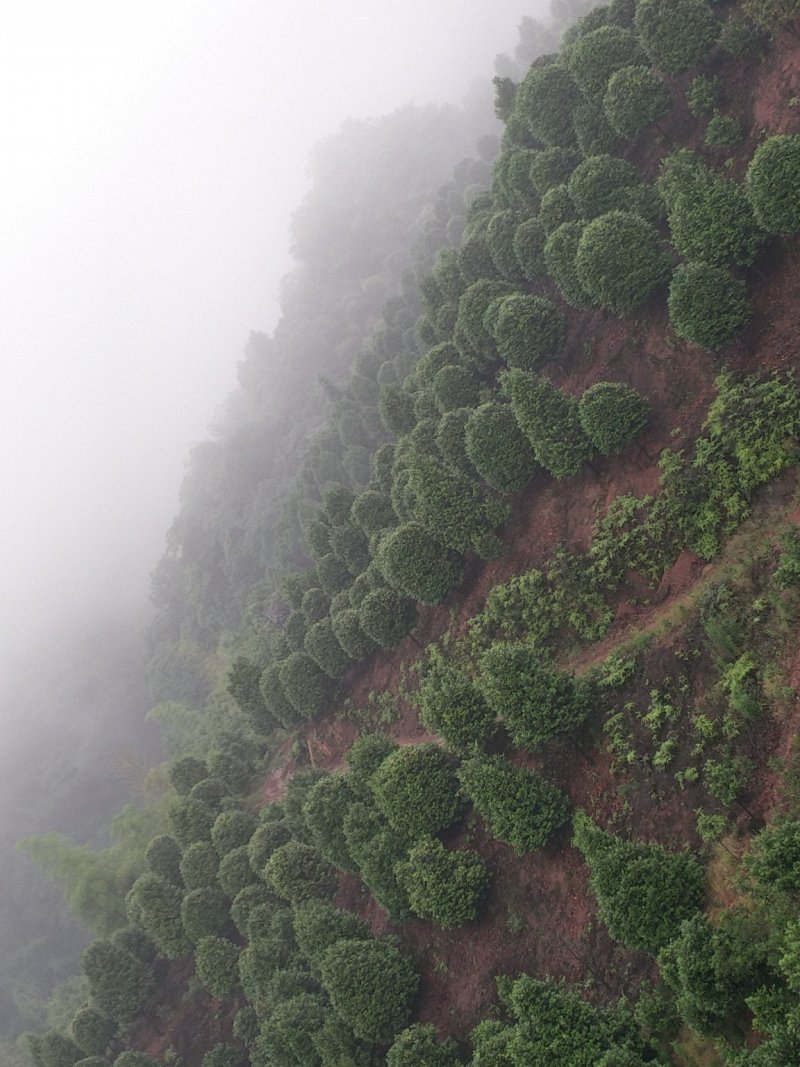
(318, 926)
(92, 1030)
(557, 208)
(306, 687)
(163, 857)
(417, 1046)
(500, 240)
(416, 789)
(599, 185)
(131, 1058)
(787, 573)
(376, 847)
(231, 830)
(372, 511)
(594, 132)
(620, 261)
(325, 650)
(216, 961)
(611, 415)
(723, 130)
(366, 754)
(676, 34)
(120, 984)
(773, 184)
(770, 15)
(552, 166)
(546, 99)
(347, 631)
(324, 812)
(246, 901)
(235, 872)
(549, 420)
(370, 984)
(190, 820)
(349, 545)
(560, 256)
(185, 772)
(600, 54)
(703, 95)
(294, 630)
(274, 696)
(224, 1055)
(635, 98)
(243, 685)
(536, 702)
(455, 387)
(450, 439)
(332, 574)
(519, 806)
(52, 1049)
(497, 448)
(386, 617)
(204, 912)
(298, 872)
(246, 1025)
(156, 904)
(643, 892)
(416, 564)
(396, 408)
(199, 865)
(490, 1040)
(529, 331)
(707, 306)
(472, 309)
(453, 707)
(555, 1025)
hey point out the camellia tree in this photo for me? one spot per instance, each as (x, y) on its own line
(416, 789)
(371, 984)
(298, 872)
(306, 687)
(621, 260)
(557, 208)
(417, 1046)
(326, 651)
(498, 449)
(454, 707)
(500, 235)
(611, 415)
(444, 886)
(324, 812)
(560, 256)
(529, 331)
(217, 964)
(386, 617)
(599, 184)
(552, 166)
(596, 57)
(773, 184)
(545, 101)
(707, 305)
(119, 983)
(677, 34)
(549, 420)
(634, 99)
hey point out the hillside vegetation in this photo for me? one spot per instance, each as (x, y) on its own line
(479, 668)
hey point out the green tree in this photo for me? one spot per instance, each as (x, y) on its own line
(528, 244)
(500, 240)
(620, 261)
(519, 806)
(274, 696)
(707, 306)
(322, 646)
(306, 687)
(643, 892)
(546, 100)
(549, 420)
(92, 1030)
(157, 906)
(318, 926)
(529, 331)
(676, 35)
(417, 1046)
(416, 789)
(416, 564)
(560, 256)
(536, 702)
(217, 963)
(298, 872)
(372, 511)
(454, 387)
(774, 856)
(199, 865)
(225, 1055)
(444, 886)
(773, 184)
(600, 54)
(453, 707)
(120, 984)
(324, 812)
(601, 184)
(611, 415)
(552, 166)
(53, 1049)
(185, 772)
(235, 871)
(232, 829)
(371, 984)
(204, 912)
(497, 448)
(634, 99)
(246, 901)
(386, 617)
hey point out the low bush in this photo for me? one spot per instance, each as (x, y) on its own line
(707, 305)
(298, 872)
(452, 706)
(217, 964)
(416, 789)
(371, 985)
(611, 415)
(443, 886)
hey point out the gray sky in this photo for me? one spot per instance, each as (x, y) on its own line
(153, 153)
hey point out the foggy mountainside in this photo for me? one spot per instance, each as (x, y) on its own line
(473, 662)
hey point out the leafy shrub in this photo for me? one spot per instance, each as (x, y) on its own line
(740, 38)
(130, 1058)
(376, 847)
(635, 98)
(552, 166)
(246, 1024)
(294, 630)
(726, 778)
(710, 218)
(611, 415)
(366, 754)
(120, 984)
(332, 574)
(600, 54)
(157, 906)
(519, 806)
(370, 984)
(620, 261)
(498, 449)
(770, 15)
(417, 1046)
(324, 812)
(500, 240)
(453, 707)
(92, 1030)
(231, 830)
(265, 839)
(204, 912)
(386, 617)
(416, 789)
(396, 408)
(723, 130)
(703, 95)
(326, 652)
(298, 872)
(454, 387)
(286, 1039)
(443, 886)
(211, 791)
(774, 856)
(549, 420)
(546, 99)
(372, 511)
(595, 134)
(306, 687)
(536, 701)
(414, 563)
(643, 892)
(475, 259)
(557, 208)
(490, 1040)
(450, 439)
(244, 903)
(163, 857)
(347, 631)
(318, 926)
(185, 772)
(676, 34)
(190, 820)
(224, 1055)
(274, 696)
(471, 313)
(599, 183)
(773, 184)
(560, 256)
(199, 865)
(529, 331)
(235, 871)
(707, 306)
(217, 964)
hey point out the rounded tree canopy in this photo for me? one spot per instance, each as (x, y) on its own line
(676, 34)
(552, 166)
(549, 420)
(370, 984)
(529, 331)
(546, 99)
(306, 687)
(416, 790)
(560, 256)
(321, 644)
(599, 184)
(635, 98)
(386, 617)
(557, 208)
(773, 184)
(599, 54)
(621, 260)
(416, 564)
(611, 415)
(707, 305)
(498, 449)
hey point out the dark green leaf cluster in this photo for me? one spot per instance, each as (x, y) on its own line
(557, 208)
(600, 54)
(185, 772)
(204, 912)
(560, 257)
(707, 305)
(231, 830)
(92, 1030)
(529, 331)
(235, 872)
(324, 813)
(546, 99)
(224, 1055)
(298, 872)
(216, 961)
(318, 926)
(376, 848)
(536, 702)
(417, 1046)
(274, 695)
(371, 984)
(549, 420)
(455, 387)
(635, 98)
(199, 865)
(246, 901)
(519, 806)
(416, 789)
(552, 166)
(416, 564)
(676, 34)
(386, 617)
(372, 512)
(155, 905)
(723, 130)
(600, 184)
(620, 261)
(306, 687)
(120, 984)
(611, 415)
(773, 184)
(643, 892)
(703, 95)
(452, 706)
(498, 449)
(163, 857)
(326, 652)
